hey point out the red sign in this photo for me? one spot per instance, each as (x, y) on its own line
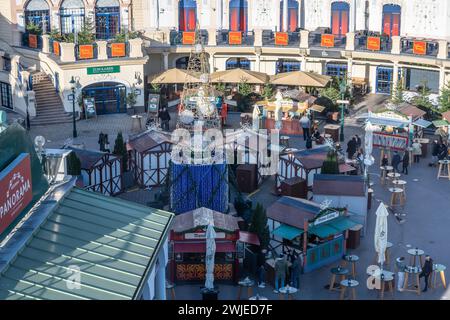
(281, 38)
(118, 50)
(420, 47)
(188, 37)
(235, 37)
(32, 41)
(56, 48)
(86, 51)
(327, 40)
(16, 192)
(374, 43)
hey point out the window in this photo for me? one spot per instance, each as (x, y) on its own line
(287, 66)
(107, 18)
(234, 63)
(292, 15)
(391, 19)
(6, 64)
(340, 18)
(337, 70)
(384, 80)
(5, 95)
(238, 15)
(38, 12)
(187, 15)
(71, 16)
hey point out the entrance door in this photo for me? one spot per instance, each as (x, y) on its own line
(108, 99)
(384, 80)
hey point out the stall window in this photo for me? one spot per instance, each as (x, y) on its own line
(234, 63)
(37, 12)
(287, 66)
(391, 19)
(5, 95)
(340, 12)
(337, 70)
(238, 15)
(292, 15)
(107, 18)
(187, 15)
(71, 16)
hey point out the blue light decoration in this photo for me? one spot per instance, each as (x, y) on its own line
(196, 186)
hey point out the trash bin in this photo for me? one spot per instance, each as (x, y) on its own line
(208, 294)
(369, 198)
(354, 237)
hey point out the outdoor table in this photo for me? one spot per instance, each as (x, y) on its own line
(351, 284)
(352, 258)
(413, 254)
(384, 171)
(396, 196)
(289, 291)
(385, 277)
(136, 123)
(444, 169)
(393, 175)
(338, 271)
(171, 287)
(414, 272)
(402, 185)
(257, 297)
(439, 268)
(247, 283)
(284, 141)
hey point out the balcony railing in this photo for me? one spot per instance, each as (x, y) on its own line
(419, 47)
(31, 41)
(316, 39)
(86, 51)
(230, 38)
(186, 37)
(372, 42)
(280, 39)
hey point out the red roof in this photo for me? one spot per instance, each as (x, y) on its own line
(249, 237)
(190, 247)
(148, 140)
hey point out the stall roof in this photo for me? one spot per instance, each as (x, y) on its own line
(312, 158)
(341, 185)
(332, 227)
(440, 123)
(148, 140)
(89, 158)
(113, 242)
(249, 237)
(293, 211)
(410, 110)
(201, 217)
(287, 232)
(422, 123)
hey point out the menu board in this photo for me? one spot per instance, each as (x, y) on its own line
(153, 103)
(188, 37)
(32, 41)
(390, 141)
(89, 108)
(235, 37)
(86, 51)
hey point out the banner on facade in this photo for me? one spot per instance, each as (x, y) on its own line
(327, 40)
(56, 49)
(390, 141)
(235, 37)
(86, 51)
(188, 37)
(15, 183)
(281, 38)
(118, 50)
(32, 41)
(374, 43)
(420, 47)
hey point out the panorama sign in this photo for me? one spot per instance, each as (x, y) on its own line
(16, 190)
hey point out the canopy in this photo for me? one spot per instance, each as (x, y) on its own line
(422, 123)
(381, 226)
(300, 78)
(317, 108)
(287, 232)
(239, 75)
(334, 226)
(172, 76)
(440, 123)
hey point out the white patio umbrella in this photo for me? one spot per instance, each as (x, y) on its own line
(210, 253)
(381, 232)
(255, 117)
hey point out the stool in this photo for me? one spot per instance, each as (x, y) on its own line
(136, 124)
(284, 141)
(289, 291)
(352, 258)
(388, 279)
(397, 197)
(245, 284)
(439, 268)
(351, 284)
(414, 271)
(384, 171)
(171, 288)
(337, 272)
(444, 169)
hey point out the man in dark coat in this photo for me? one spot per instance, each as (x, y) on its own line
(434, 153)
(165, 118)
(405, 162)
(351, 147)
(427, 269)
(261, 261)
(396, 159)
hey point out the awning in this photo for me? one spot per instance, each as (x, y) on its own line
(249, 237)
(323, 230)
(287, 232)
(317, 108)
(440, 123)
(196, 247)
(422, 123)
(332, 227)
(342, 223)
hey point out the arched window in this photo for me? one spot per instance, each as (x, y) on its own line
(187, 15)
(340, 12)
(292, 14)
(107, 18)
(238, 15)
(182, 63)
(234, 63)
(284, 65)
(38, 12)
(391, 19)
(71, 16)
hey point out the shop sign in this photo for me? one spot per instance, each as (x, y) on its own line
(326, 217)
(325, 53)
(202, 235)
(235, 37)
(32, 41)
(86, 51)
(103, 69)
(56, 50)
(15, 183)
(153, 102)
(188, 37)
(391, 141)
(374, 43)
(118, 50)
(420, 47)
(327, 40)
(281, 38)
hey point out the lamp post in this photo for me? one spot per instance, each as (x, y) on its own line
(25, 95)
(342, 88)
(72, 87)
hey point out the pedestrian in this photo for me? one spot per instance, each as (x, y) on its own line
(358, 141)
(434, 153)
(281, 268)
(351, 147)
(262, 268)
(396, 159)
(101, 141)
(165, 118)
(385, 160)
(405, 162)
(401, 268)
(416, 151)
(295, 274)
(427, 268)
(305, 124)
(360, 160)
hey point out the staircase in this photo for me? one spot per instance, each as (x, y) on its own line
(49, 107)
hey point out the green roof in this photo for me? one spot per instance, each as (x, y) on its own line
(112, 241)
(287, 232)
(332, 227)
(440, 123)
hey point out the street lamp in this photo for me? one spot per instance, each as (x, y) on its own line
(25, 95)
(342, 87)
(72, 87)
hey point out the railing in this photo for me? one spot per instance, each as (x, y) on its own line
(270, 38)
(86, 51)
(177, 38)
(419, 47)
(376, 43)
(245, 38)
(31, 41)
(315, 40)
(118, 50)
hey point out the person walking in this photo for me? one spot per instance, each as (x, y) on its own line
(360, 160)
(262, 268)
(401, 268)
(416, 151)
(434, 153)
(351, 148)
(295, 274)
(165, 118)
(427, 269)
(396, 159)
(305, 124)
(405, 162)
(281, 268)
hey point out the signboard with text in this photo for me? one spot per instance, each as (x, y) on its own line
(235, 37)
(104, 69)
(16, 189)
(202, 235)
(326, 217)
(374, 43)
(118, 50)
(188, 37)
(86, 51)
(420, 47)
(153, 102)
(327, 40)
(390, 141)
(281, 38)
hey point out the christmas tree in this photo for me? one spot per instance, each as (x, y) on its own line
(120, 149)
(259, 225)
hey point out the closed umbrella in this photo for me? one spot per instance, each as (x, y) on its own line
(210, 253)
(255, 117)
(381, 232)
(368, 145)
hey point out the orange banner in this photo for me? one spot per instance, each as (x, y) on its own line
(56, 50)
(374, 43)
(188, 37)
(420, 47)
(32, 41)
(327, 40)
(86, 51)
(235, 37)
(118, 50)
(281, 38)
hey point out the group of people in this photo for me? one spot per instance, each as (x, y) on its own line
(439, 151)
(290, 271)
(427, 269)
(396, 160)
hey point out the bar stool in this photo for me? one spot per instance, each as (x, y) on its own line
(439, 268)
(397, 197)
(352, 258)
(338, 271)
(444, 169)
(171, 288)
(384, 171)
(351, 284)
(287, 291)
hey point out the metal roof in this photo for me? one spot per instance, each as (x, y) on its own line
(113, 242)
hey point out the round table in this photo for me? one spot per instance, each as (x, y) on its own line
(246, 283)
(284, 140)
(393, 175)
(413, 254)
(412, 272)
(439, 268)
(352, 258)
(397, 198)
(338, 271)
(288, 290)
(384, 172)
(351, 284)
(385, 277)
(257, 297)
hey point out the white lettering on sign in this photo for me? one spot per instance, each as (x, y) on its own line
(202, 235)
(326, 218)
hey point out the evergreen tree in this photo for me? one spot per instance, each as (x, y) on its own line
(267, 91)
(259, 225)
(331, 164)
(120, 149)
(73, 164)
(444, 98)
(87, 32)
(397, 93)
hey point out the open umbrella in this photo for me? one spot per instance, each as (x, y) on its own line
(301, 79)
(239, 75)
(173, 76)
(210, 253)
(381, 232)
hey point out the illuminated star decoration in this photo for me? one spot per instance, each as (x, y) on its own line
(325, 204)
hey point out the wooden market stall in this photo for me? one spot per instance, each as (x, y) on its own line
(101, 172)
(149, 156)
(318, 231)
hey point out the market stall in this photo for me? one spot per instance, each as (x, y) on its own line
(319, 231)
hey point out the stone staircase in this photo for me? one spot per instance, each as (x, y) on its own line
(49, 107)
